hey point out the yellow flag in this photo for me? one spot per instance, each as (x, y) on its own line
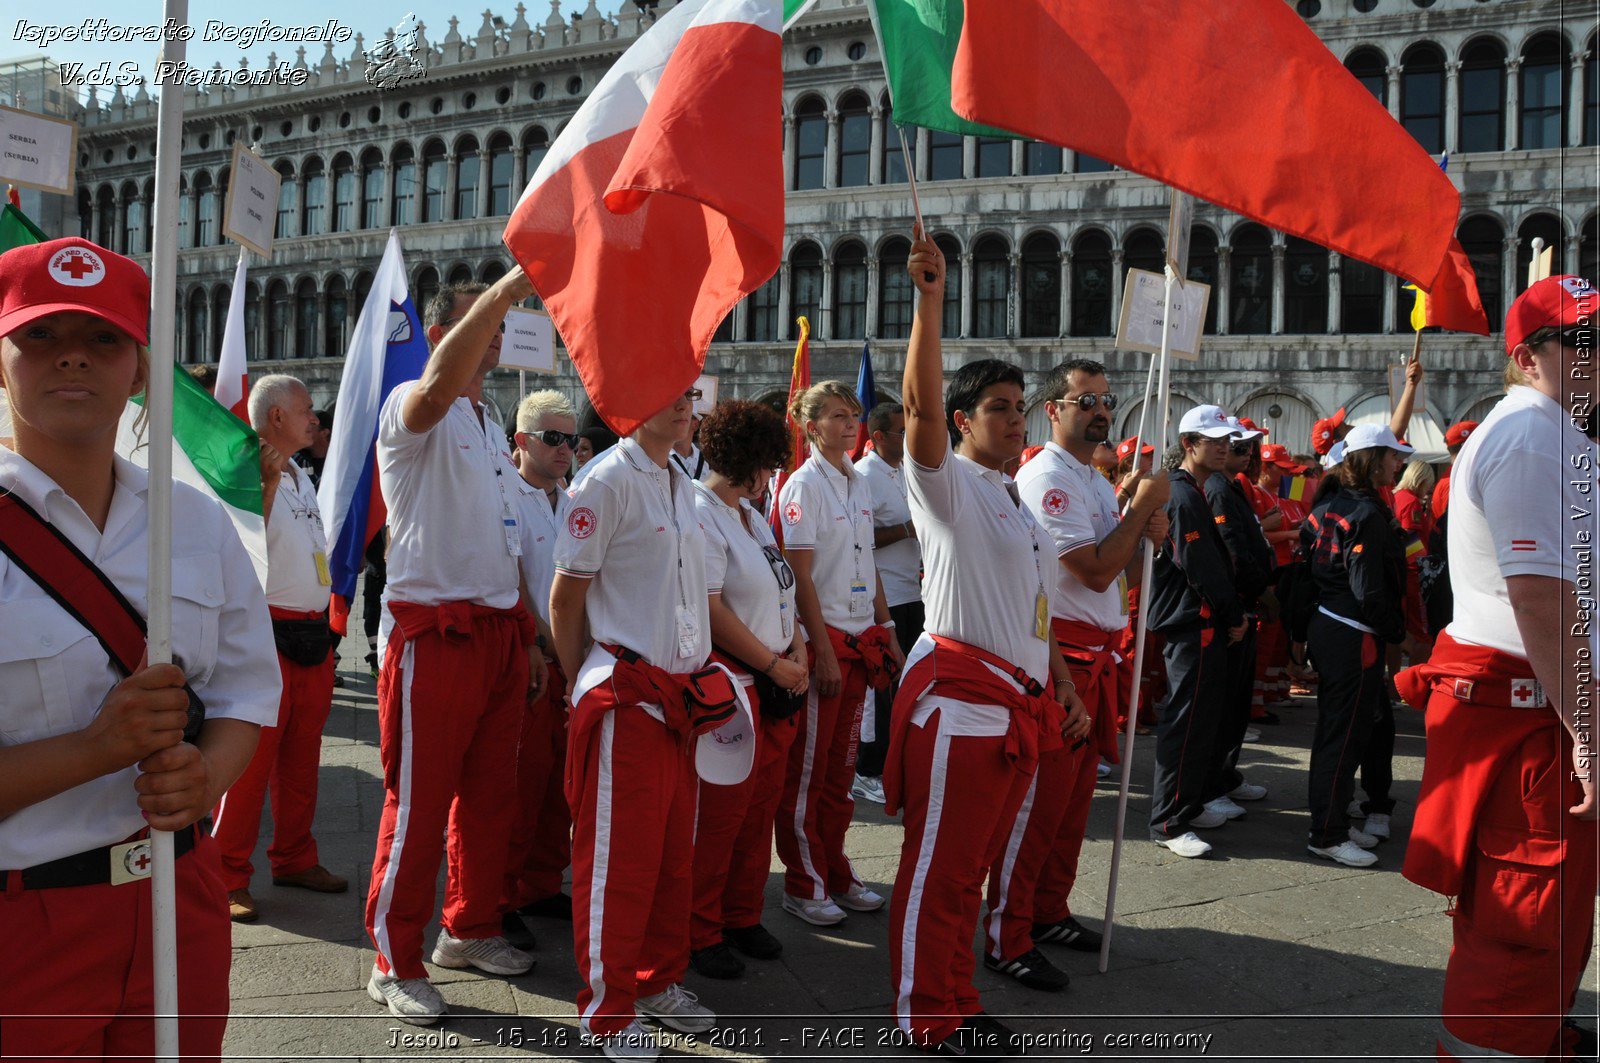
(1419, 309)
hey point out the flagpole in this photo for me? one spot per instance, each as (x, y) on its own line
(158, 404)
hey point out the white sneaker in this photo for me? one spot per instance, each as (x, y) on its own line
(1377, 825)
(1248, 791)
(868, 789)
(817, 913)
(1252, 734)
(412, 1000)
(678, 1008)
(1208, 819)
(494, 955)
(1224, 807)
(1102, 770)
(1347, 853)
(1187, 845)
(1363, 839)
(635, 1043)
(859, 899)
(1355, 811)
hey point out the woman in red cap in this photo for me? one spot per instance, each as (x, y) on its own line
(95, 752)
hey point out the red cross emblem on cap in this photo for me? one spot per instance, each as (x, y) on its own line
(581, 523)
(77, 267)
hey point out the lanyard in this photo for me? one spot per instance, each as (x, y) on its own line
(665, 491)
(847, 510)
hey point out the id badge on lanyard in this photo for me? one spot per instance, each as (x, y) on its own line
(1041, 616)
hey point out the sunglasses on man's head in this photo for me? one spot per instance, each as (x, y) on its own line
(1088, 400)
(551, 438)
(1581, 337)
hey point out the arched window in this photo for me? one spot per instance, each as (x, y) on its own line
(460, 273)
(1305, 287)
(1039, 159)
(1589, 248)
(895, 292)
(492, 271)
(1041, 286)
(944, 156)
(1091, 284)
(133, 221)
(280, 316)
(1547, 227)
(427, 287)
(205, 215)
(855, 141)
(1483, 96)
(535, 145)
(810, 144)
(991, 288)
(762, 327)
(371, 188)
(849, 292)
(314, 215)
(1366, 65)
(466, 191)
(1360, 296)
(108, 216)
(287, 206)
(994, 156)
(363, 287)
(199, 339)
(344, 194)
(434, 170)
(219, 318)
(1422, 96)
(1544, 93)
(500, 175)
(252, 321)
(950, 320)
(1484, 240)
(894, 160)
(403, 211)
(1250, 282)
(805, 285)
(334, 336)
(305, 319)
(1082, 163)
(86, 214)
(1143, 249)
(1203, 268)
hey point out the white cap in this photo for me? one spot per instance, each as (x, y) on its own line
(1334, 455)
(725, 755)
(1243, 433)
(1208, 421)
(1367, 436)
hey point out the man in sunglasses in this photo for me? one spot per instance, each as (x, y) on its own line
(685, 450)
(1506, 814)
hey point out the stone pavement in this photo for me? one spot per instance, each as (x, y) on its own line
(1259, 952)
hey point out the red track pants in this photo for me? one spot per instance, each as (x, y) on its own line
(816, 807)
(81, 956)
(541, 840)
(960, 796)
(449, 710)
(733, 836)
(286, 760)
(632, 853)
(1272, 666)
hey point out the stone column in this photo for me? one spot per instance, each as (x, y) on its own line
(1019, 150)
(385, 207)
(483, 184)
(1452, 106)
(1392, 89)
(1278, 292)
(966, 294)
(1014, 297)
(119, 237)
(1117, 280)
(923, 152)
(969, 156)
(785, 308)
(1335, 293)
(1069, 160)
(1391, 302)
(825, 307)
(1575, 100)
(790, 148)
(519, 172)
(451, 169)
(1513, 104)
(1224, 287)
(93, 235)
(1511, 283)
(1065, 328)
(830, 161)
(1574, 256)
(878, 139)
(873, 281)
(741, 320)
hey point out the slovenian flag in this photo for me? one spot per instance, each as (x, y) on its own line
(387, 349)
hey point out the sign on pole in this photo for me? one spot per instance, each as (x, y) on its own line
(1139, 328)
(706, 383)
(1397, 385)
(251, 213)
(1540, 262)
(530, 341)
(1180, 221)
(37, 152)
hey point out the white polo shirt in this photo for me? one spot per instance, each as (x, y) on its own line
(985, 561)
(296, 544)
(830, 513)
(694, 466)
(1513, 492)
(743, 566)
(450, 492)
(1078, 507)
(540, 524)
(900, 563)
(633, 530)
(54, 675)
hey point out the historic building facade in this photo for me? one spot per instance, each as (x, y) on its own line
(1037, 237)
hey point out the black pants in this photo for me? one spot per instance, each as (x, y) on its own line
(1351, 695)
(908, 620)
(1240, 687)
(1188, 725)
(1377, 765)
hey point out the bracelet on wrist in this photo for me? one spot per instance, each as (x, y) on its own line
(887, 624)
(771, 665)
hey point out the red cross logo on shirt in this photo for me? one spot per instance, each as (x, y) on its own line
(581, 523)
(1055, 501)
(77, 267)
(791, 513)
(1526, 693)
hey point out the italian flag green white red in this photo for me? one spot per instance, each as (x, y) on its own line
(212, 450)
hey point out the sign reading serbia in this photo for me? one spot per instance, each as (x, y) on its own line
(37, 152)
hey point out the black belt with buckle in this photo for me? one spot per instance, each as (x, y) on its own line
(114, 864)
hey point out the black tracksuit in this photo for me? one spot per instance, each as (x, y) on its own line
(1253, 562)
(1192, 603)
(1358, 568)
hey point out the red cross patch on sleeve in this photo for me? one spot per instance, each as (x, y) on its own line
(1055, 501)
(792, 513)
(581, 522)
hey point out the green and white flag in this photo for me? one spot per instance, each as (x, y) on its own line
(918, 40)
(793, 9)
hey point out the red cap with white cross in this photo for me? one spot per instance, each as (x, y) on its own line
(72, 274)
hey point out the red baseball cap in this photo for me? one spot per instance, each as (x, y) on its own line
(1125, 447)
(1278, 454)
(73, 274)
(1248, 423)
(1457, 433)
(1554, 301)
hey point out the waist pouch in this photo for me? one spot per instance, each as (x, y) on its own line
(777, 703)
(305, 642)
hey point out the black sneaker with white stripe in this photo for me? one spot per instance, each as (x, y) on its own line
(1068, 932)
(1032, 969)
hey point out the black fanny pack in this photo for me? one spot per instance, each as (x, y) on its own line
(305, 642)
(776, 702)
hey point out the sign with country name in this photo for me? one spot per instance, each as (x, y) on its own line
(37, 152)
(251, 213)
(1139, 328)
(530, 341)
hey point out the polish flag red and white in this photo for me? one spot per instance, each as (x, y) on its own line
(660, 205)
(233, 378)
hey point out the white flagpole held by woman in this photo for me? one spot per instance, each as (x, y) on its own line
(158, 405)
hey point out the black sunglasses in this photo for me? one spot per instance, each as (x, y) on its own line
(551, 438)
(1241, 448)
(1581, 337)
(453, 320)
(780, 568)
(1087, 402)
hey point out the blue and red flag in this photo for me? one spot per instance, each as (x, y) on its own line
(387, 349)
(867, 395)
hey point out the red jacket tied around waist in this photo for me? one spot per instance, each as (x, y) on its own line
(454, 620)
(960, 672)
(871, 648)
(1090, 653)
